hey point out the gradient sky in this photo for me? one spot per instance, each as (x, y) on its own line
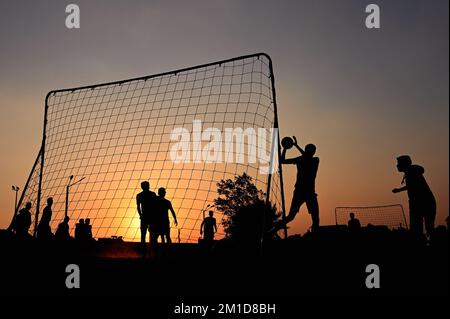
(362, 96)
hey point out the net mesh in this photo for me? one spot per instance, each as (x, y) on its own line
(392, 216)
(117, 135)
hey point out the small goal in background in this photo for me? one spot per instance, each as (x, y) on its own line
(392, 216)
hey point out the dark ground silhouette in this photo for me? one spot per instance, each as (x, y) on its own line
(329, 263)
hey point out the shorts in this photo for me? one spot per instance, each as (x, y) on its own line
(300, 197)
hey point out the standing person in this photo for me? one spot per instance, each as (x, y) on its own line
(305, 186)
(23, 221)
(163, 207)
(354, 223)
(62, 232)
(88, 226)
(80, 230)
(145, 202)
(422, 204)
(208, 228)
(44, 231)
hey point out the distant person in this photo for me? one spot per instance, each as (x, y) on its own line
(163, 207)
(62, 232)
(208, 227)
(422, 204)
(88, 229)
(354, 223)
(145, 202)
(80, 230)
(44, 230)
(305, 189)
(23, 221)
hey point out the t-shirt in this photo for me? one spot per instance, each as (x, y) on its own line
(63, 230)
(354, 223)
(416, 184)
(306, 173)
(163, 207)
(208, 224)
(23, 220)
(46, 216)
(146, 199)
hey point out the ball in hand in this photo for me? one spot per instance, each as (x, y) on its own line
(287, 142)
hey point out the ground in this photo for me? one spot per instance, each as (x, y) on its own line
(331, 264)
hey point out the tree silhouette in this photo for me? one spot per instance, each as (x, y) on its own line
(245, 211)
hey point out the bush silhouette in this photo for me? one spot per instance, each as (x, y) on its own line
(246, 214)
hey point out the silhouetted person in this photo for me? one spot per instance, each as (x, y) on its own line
(23, 221)
(62, 232)
(353, 223)
(163, 207)
(422, 204)
(208, 227)
(305, 189)
(80, 230)
(88, 229)
(44, 230)
(145, 202)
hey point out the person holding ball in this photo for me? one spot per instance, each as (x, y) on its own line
(305, 190)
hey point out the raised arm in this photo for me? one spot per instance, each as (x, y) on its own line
(297, 146)
(290, 160)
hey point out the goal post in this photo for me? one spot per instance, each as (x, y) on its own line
(183, 130)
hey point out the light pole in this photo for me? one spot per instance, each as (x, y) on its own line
(69, 185)
(15, 189)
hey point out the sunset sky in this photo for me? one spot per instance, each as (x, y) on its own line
(362, 96)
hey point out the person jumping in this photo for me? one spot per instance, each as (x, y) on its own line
(304, 191)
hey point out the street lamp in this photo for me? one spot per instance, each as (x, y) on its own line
(15, 189)
(69, 185)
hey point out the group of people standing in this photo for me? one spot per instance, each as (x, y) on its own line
(22, 224)
(153, 212)
(83, 229)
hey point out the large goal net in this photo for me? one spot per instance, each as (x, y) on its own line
(392, 216)
(183, 130)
